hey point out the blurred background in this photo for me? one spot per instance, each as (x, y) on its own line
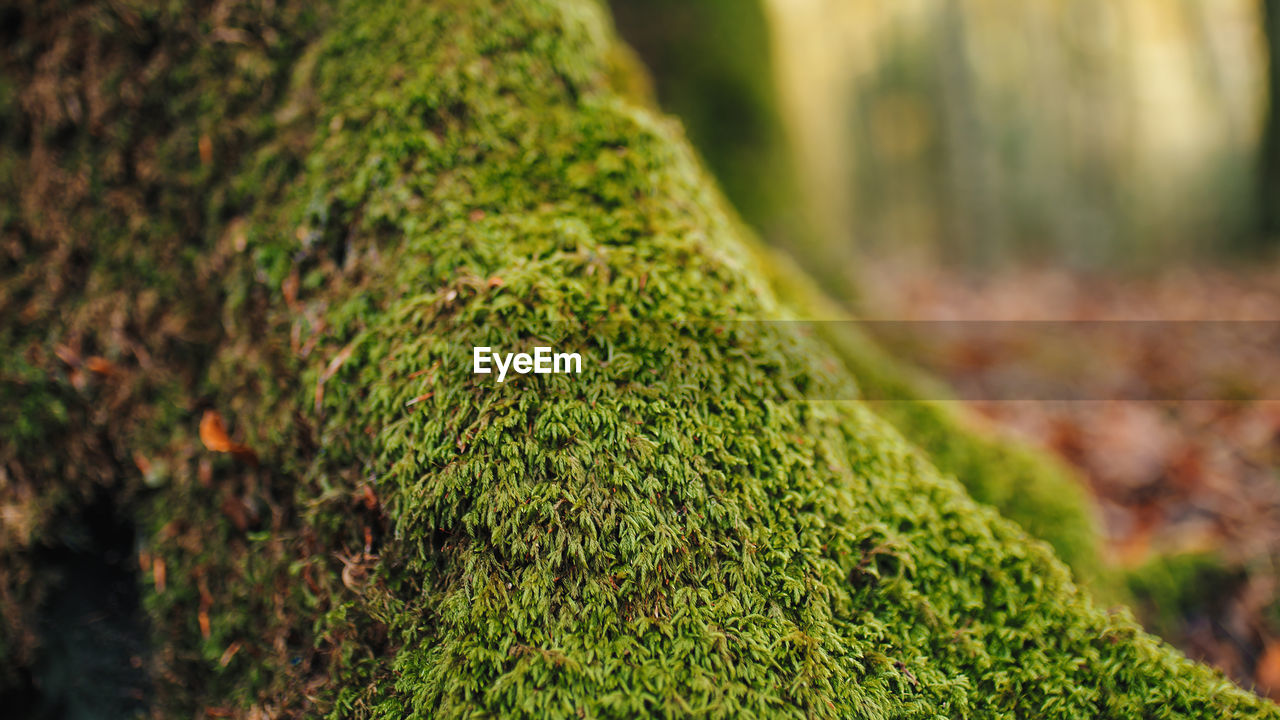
(979, 131)
(1065, 160)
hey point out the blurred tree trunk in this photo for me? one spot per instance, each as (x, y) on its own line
(712, 66)
(1269, 180)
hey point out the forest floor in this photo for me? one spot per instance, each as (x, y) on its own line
(1186, 476)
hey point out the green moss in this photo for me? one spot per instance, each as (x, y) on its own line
(1025, 485)
(112, 256)
(679, 531)
(712, 67)
(1170, 590)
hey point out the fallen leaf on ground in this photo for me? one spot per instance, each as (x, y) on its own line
(229, 653)
(159, 572)
(100, 365)
(213, 433)
(1267, 674)
(206, 149)
(67, 355)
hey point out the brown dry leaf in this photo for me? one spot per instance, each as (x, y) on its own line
(310, 579)
(206, 150)
(144, 465)
(159, 573)
(229, 653)
(100, 365)
(213, 433)
(290, 289)
(370, 498)
(1267, 673)
(67, 355)
(206, 602)
(339, 359)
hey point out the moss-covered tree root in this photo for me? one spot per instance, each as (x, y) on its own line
(682, 530)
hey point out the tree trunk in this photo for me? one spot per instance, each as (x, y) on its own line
(249, 254)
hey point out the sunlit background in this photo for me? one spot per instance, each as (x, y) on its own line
(1091, 132)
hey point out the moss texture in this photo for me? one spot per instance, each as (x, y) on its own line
(712, 66)
(680, 531)
(1025, 484)
(123, 127)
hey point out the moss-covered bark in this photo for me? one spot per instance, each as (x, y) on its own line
(681, 530)
(713, 69)
(126, 129)
(1026, 485)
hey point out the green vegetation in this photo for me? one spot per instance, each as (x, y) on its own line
(678, 531)
(1171, 588)
(1025, 485)
(124, 128)
(712, 67)
(713, 70)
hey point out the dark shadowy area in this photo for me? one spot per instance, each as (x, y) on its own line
(90, 657)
